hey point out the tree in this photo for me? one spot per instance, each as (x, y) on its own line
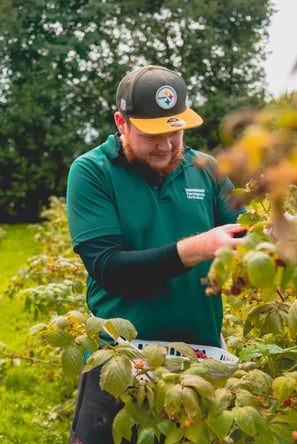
(60, 63)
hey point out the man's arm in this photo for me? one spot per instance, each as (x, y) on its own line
(120, 271)
(203, 246)
(137, 272)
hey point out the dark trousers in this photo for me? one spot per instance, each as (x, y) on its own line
(94, 413)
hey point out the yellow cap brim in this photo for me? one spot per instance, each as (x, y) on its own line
(160, 125)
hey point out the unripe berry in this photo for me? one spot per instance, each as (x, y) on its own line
(138, 364)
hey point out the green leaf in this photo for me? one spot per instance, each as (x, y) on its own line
(86, 342)
(72, 361)
(292, 319)
(245, 397)
(59, 338)
(122, 426)
(38, 328)
(203, 387)
(221, 424)
(139, 414)
(198, 433)
(77, 286)
(174, 436)
(76, 316)
(218, 273)
(173, 400)
(260, 380)
(129, 352)
(284, 387)
(118, 327)
(94, 325)
(116, 376)
(261, 270)
(217, 369)
(154, 354)
(191, 404)
(223, 398)
(248, 420)
(198, 369)
(287, 274)
(161, 390)
(249, 242)
(98, 358)
(146, 436)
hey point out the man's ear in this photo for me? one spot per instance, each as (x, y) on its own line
(120, 122)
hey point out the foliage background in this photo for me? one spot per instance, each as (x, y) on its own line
(61, 61)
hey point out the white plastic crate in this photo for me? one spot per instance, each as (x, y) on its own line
(217, 353)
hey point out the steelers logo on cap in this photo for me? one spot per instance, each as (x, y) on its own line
(166, 97)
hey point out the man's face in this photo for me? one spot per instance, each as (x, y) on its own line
(161, 152)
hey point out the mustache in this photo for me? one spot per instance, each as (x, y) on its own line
(172, 165)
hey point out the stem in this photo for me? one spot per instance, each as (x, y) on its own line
(29, 358)
(280, 294)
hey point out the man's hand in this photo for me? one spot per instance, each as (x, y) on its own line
(203, 246)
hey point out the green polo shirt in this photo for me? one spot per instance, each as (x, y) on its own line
(107, 197)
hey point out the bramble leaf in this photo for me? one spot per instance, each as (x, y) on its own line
(221, 424)
(98, 358)
(59, 338)
(72, 361)
(122, 426)
(203, 387)
(118, 327)
(94, 325)
(116, 376)
(284, 387)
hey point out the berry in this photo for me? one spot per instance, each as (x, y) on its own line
(138, 364)
(200, 354)
(287, 402)
(209, 291)
(294, 435)
(235, 290)
(279, 262)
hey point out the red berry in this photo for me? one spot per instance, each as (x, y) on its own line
(287, 402)
(294, 434)
(235, 290)
(279, 262)
(200, 354)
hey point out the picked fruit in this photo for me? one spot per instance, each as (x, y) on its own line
(200, 354)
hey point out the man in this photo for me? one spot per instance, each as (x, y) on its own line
(147, 222)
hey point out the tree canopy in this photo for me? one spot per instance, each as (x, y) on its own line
(61, 62)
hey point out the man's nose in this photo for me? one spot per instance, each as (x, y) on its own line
(164, 143)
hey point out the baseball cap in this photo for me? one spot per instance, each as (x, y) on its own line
(154, 99)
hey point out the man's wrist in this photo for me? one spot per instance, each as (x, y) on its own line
(194, 249)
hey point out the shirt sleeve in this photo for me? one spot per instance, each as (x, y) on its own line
(124, 272)
(87, 201)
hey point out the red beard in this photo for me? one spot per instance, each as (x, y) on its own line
(174, 163)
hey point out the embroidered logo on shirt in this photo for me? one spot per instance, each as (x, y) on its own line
(195, 193)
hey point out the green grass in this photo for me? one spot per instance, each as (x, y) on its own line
(16, 246)
(35, 400)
